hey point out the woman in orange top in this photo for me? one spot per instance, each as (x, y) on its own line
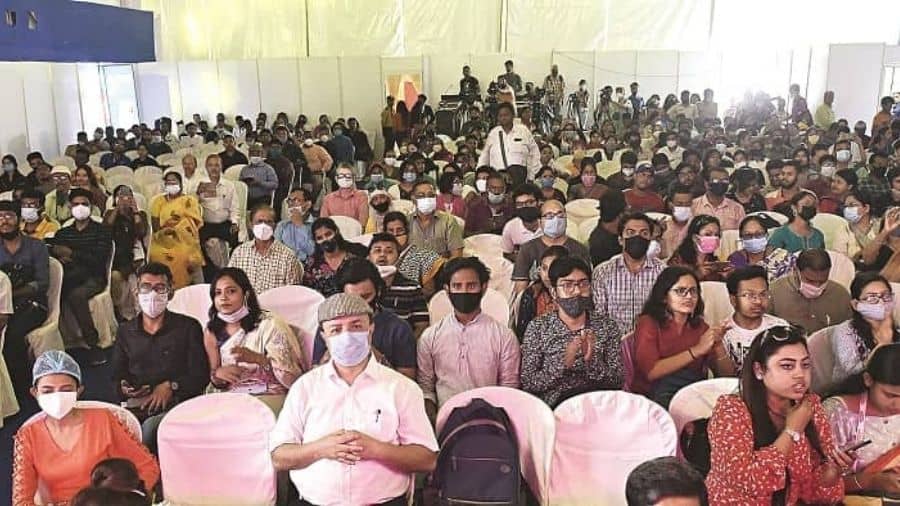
(58, 450)
(771, 443)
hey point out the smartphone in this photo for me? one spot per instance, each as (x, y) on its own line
(721, 266)
(857, 446)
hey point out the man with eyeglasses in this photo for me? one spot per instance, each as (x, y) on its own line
(807, 297)
(431, 229)
(714, 202)
(347, 200)
(526, 225)
(159, 359)
(748, 290)
(489, 213)
(553, 227)
(267, 262)
(623, 283)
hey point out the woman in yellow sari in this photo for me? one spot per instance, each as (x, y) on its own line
(176, 219)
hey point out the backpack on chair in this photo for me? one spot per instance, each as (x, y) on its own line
(479, 457)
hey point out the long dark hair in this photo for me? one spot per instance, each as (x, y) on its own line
(328, 223)
(860, 326)
(687, 250)
(754, 392)
(656, 306)
(250, 322)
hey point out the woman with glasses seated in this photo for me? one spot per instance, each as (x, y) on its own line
(771, 442)
(674, 347)
(698, 249)
(250, 350)
(755, 250)
(872, 323)
(573, 349)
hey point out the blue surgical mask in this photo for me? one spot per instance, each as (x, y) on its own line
(409, 177)
(547, 182)
(755, 244)
(555, 227)
(349, 348)
(851, 214)
(376, 178)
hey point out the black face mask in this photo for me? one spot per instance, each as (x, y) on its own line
(807, 212)
(718, 189)
(329, 246)
(465, 303)
(9, 236)
(576, 306)
(636, 247)
(381, 207)
(528, 214)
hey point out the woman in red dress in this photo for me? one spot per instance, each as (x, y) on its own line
(771, 443)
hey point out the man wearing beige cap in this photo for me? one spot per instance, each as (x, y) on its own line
(352, 431)
(56, 202)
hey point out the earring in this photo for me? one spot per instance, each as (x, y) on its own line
(759, 377)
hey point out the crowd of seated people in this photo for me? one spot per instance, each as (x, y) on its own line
(760, 207)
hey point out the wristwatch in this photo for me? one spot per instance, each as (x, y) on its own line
(794, 435)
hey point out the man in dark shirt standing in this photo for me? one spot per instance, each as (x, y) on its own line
(159, 358)
(604, 240)
(468, 85)
(231, 156)
(83, 248)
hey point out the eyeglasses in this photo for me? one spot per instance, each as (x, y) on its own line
(686, 292)
(8, 216)
(874, 298)
(570, 286)
(550, 216)
(754, 295)
(160, 289)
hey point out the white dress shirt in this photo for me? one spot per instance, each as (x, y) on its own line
(521, 149)
(223, 206)
(192, 183)
(381, 403)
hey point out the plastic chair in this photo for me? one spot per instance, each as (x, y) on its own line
(729, 243)
(836, 230)
(115, 180)
(717, 304)
(119, 170)
(67, 161)
(842, 269)
(148, 170)
(494, 304)
(406, 207)
(600, 438)
(895, 287)
(364, 239)
(131, 154)
(659, 216)
(192, 301)
(47, 336)
(697, 400)
(233, 173)
(228, 430)
(780, 218)
(586, 228)
(579, 210)
(501, 274)
(533, 423)
(608, 167)
(298, 306)
(565, 164)
(349, 227)
(240, 193)
(573, 230)
(166, 159)
(481, 245)
(819, 345)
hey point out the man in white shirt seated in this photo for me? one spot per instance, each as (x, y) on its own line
(527, 222)
(220, 213)
(748, 290)
(466, 349)
(193, 176)
(511, 148)
(352, 431)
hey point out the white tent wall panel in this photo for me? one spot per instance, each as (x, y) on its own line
(199, 82)
(39, 111)
(819, 71)
(617, 68)
(319, 93)
(238, 88)
(13, 131)
(657, 72)
(279, 86)
(574, 66)
(159, 91)
(66, 104)
(856, 80)
(698, 70)
(362, 94)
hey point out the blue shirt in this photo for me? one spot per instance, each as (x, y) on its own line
(32, 254)
(297, 237)
(265, 180)
(392, 336)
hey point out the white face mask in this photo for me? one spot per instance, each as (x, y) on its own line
(349, 348)
(426, 205)
(235, 316)
(681, 214)
(323, 138)
(627, 171)
(843, 155)
(255, 160)
(671, 144)
(153, 304)
(481, 185)
(720, 147)
(156, 139)
(344, 182)
(81, 212)
(30, 214)
(828, 170)
(262, 231)
(57, 404)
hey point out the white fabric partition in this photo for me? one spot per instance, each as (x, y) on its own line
(64, 87)
(319, 88)
(239, 87)
(279, 86)
(361, 92)
(199, 82)
(854, 74)
(90, 90)
(39, 111)
(564, 25)
(460, 26)
(13, 135)
(657, 71)
(353, 28)
(616, 68)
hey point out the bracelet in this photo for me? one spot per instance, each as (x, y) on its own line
(856, 480)
(691, 353)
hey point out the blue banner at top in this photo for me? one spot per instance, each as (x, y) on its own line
(67, 31)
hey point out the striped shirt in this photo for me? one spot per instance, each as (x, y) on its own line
(90, 247)
(619, 293)
(278, 266)
(404, 298)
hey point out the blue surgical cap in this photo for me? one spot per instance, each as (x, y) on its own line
(55, 362)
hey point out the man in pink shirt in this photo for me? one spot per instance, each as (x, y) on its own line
(347, 200)
(714, 203)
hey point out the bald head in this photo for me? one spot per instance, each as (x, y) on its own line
(552, 206)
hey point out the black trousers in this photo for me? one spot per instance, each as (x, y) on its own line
(76, 296)
(388, 134)
(15, 347)
(219, 230)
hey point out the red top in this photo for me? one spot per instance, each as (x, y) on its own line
(742, 476)
(649, 202)
(652, 343)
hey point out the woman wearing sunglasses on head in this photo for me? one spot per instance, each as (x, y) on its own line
(771, 443)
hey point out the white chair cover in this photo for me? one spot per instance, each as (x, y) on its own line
(8, 403)
(482, 245)
(131, 154)
(119, 170)
(780, 218)
(579, 210)
(406, 207)
(166, 159)
(364, 239)
(148, 170)
(66, 161)
(493, 304)
(842, 269)
(47, 336)
(819, 344)
(573, 230)
(600, 438)
(534, 425)
(192, 301)
(501, 274)
(298, 306)
(348, 226)
(697, 400)
(213, 450)
(240, 192)
(836, 230)
(233, 173)
(586, 227)
(717, 305)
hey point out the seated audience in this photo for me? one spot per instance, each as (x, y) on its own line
(346, 200)
(260, 178)
(871, 324)
(158, 358)
(714, 202)
(88, 435)
(748, 291)
(746, 191)
(311, 438)
(143, 158)
(798, 234)
(378, 178)
(393, 342)
(771, 443)
(467, 348)
(329, 255)
(128, 226)
(536, 299)
(843, 182)
(622, 283)
(587, 185)
(268, 263)
(450, 199)
(193, 176)
(665, 481)
(573, 349)
(550, 185)
(642, 197)
(408, 179)
(401, 296)
(756, 250)
(56, 201)
(84, 178)
(250, 351)
(525, 225)
(698, 249)
(807, 297)
(417, 264)
(868, 411)
(293, 230)
(117, 157)
(221, 215)
(35, 222)
(83, 248)
(553, 226)
(230, 155)
(604, 240)
(431, 229)
(673, 346)
(868, 232)
(11, 178)
(380, 204)
(489, 213)
(176, 218)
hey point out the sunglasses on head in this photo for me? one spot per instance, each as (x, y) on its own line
(781, 333)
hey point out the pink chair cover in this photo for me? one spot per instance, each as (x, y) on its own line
(600, 438)
(192, 301)
(213, 450)
(534, 425)
(697, 400)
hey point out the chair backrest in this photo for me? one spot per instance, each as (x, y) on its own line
(729, 243)
(579, 210)
(227, 429)
(600, 438)
(54, 290)
(659, 216)
(494, 304)
(192, 301)
(626, 348)
(534, 426)
(565, 164)
(298, 306)
(586, 227)
(406, 207)
(607, 168)
(131, 154)
(166, 159)
(697, 400)
(67, 161)
(147, 170)
(233, 173)
(484, 245)
(842, 269)
(717, 304)
(364, 239)
(573, 230)
(349, 227)
(780, 218)
(240, 193)
(119, 170)
(895, 287)
(501, 274)
(836, 230)
(819, 345)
